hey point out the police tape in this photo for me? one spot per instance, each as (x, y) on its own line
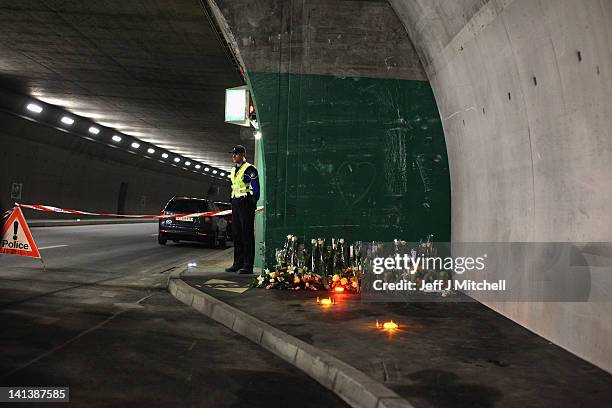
(162, 215)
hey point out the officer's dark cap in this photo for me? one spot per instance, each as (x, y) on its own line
(238, 149)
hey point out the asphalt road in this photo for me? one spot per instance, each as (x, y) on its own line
(99, 320)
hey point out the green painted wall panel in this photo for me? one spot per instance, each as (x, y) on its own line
(351, 157)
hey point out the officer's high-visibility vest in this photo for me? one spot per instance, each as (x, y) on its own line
(239, 187)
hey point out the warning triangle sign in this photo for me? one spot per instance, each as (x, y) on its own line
(16, 236)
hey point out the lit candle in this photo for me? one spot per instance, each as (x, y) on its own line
(326, 301)
(390, 326)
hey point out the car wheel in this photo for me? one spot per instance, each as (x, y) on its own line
(161, 240)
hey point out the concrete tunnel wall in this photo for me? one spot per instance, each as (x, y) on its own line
(524, 91)
(64, 170)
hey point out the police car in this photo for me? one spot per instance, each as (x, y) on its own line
(212, 230)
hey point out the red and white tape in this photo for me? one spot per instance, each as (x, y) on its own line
(49, 208)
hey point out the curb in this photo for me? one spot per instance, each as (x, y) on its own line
(350, 384)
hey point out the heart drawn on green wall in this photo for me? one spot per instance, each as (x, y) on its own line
(354, 181)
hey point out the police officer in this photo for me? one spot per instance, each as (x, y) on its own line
(245, 193)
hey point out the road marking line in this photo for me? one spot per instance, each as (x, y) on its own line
(67, 342)
(53, 246)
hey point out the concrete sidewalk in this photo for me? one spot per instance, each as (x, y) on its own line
(444, 355)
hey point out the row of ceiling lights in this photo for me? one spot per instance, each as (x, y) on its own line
(94, 130)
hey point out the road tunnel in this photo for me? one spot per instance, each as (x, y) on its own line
(470, 121)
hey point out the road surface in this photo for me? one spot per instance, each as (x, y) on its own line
(99, 320)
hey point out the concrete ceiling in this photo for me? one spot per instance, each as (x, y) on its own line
(155, 70)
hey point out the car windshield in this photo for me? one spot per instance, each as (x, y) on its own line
(187, 206)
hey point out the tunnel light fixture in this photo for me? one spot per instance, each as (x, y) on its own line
(222, 174)
(67, 120)
(95, 130)
(257, 135)
(229, 176)
(32, 107)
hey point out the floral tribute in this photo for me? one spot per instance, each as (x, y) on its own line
(336, 267)
(289, 278)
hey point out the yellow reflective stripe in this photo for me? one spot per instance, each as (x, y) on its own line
(239, 187)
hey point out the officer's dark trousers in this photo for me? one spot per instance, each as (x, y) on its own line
(243, 232)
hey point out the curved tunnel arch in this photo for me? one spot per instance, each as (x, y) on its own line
(523, 90)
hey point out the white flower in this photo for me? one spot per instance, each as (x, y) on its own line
(260, 279)
(289, 236)
(342, 240)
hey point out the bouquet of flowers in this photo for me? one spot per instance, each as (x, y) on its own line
(324, 267)
(348, 281)
(290, 278)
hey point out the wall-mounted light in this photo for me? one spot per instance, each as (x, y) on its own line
(95, 129)
(32, 107)
(67, 120)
